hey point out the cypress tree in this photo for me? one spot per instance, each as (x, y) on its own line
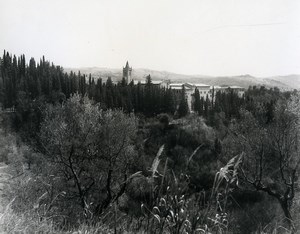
(183, 108)
(170, 105)
(148, 104)
(201, 106)
(206, 106)
(123, 82)
(197, 101)
(98, 96)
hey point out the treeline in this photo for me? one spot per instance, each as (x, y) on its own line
(27, 85)
(34, 80)
(20, 81)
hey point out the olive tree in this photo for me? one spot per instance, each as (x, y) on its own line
(90, 151)
(271, 153)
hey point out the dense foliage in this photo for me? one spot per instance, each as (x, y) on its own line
(20, 82)
(105, 157)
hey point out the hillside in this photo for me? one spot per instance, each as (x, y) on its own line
(290, 80)
(282, 82)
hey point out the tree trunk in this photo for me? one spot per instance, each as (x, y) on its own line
(288, 217)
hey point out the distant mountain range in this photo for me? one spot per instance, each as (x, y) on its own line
(288, 82)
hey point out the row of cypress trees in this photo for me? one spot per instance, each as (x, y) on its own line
(35, 80)
(20, 80)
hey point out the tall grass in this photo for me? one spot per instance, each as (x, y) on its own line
(29, 223)
(174, 210)
(171, 209)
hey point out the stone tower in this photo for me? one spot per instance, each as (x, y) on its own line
(127, 73)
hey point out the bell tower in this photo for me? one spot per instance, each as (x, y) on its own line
(127, 73)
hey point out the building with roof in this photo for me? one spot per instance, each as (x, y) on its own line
(205, 91)
(189, 91)
(156, 83)
(240, 91)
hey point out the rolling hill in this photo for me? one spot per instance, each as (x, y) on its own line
(283, 82)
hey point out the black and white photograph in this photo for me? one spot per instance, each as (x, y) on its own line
(150, 116)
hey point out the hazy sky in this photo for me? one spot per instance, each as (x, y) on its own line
(211, 37)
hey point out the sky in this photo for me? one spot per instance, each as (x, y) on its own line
(208, 37)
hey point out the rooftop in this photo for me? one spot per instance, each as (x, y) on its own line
(176, 84)
(236, 87)
(143, 82)
(201, 85)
